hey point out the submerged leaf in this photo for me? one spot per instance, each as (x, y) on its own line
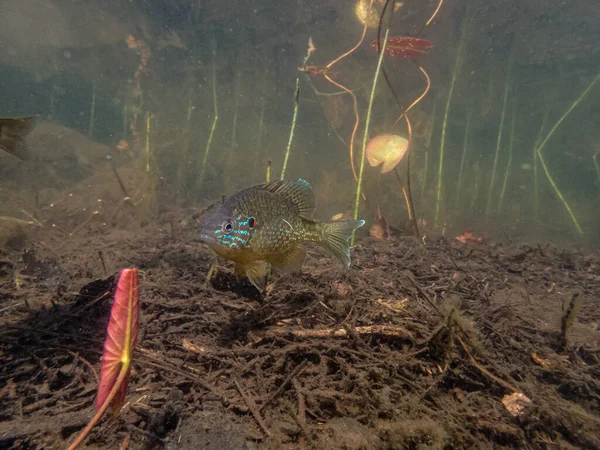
(121, 339)
(386, 149)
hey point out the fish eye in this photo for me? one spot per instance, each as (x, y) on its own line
(251, 222)
(227, 227)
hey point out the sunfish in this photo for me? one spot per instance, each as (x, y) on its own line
(267, 224)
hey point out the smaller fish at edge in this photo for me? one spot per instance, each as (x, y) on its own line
(12, 136)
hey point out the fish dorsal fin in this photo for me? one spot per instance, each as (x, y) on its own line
(299, 192)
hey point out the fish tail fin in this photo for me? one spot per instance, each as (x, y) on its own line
(334, 236)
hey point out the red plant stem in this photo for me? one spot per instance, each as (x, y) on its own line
(354, 101)
(122, 375)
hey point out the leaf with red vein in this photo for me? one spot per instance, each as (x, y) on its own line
(122, 334)
(118, 349)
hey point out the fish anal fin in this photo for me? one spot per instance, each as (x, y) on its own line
(290, 260)
(299, 192)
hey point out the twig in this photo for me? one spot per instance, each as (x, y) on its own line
(253, 409)
(486, 372)
(382, 330)
(297, 370)
(87, 363)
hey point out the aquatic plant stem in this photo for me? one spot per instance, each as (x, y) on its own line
(444, 125)
(289, 146)
(595, 159)
(510, 155)
(260, 127)
(424, 183)
(147, 142)
(462, 161)
(349, 91)
(488, 207)
(535, 164)
(419, 98)
(215, 114)
(366, 132)
(408, 198)
(92, 112)
(295, 116)
(543, 162)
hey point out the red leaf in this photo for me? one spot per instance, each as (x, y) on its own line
(121, 339)
(404, 47)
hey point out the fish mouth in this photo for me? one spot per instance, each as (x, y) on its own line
(207, 238)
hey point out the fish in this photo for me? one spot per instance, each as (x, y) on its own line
(266, 226)
(12, 136)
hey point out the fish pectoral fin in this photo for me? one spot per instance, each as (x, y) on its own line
(290, 260)
(256, 272)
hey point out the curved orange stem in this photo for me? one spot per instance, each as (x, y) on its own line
(418, 99)
(435, 12)
(359, 42)
(349, 91)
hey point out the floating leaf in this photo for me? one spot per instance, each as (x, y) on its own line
(386, 149)
(403, 46)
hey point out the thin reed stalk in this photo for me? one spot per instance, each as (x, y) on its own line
(215, 113)
(92, 112)
(295, 116)
(424, 183)
(147, 147)
(462, 160)
(595, 159)
(488, 207)
(536, 205)
(543, 162)
(445, 124)
(510, 155)
(366, 132)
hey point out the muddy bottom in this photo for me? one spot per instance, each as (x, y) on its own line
(419, 345)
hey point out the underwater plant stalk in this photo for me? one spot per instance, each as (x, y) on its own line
(423, 184)
(349, 91)
(595, 159)
(147, 142)
(488, 207)
(430, 131)
(268, 177)
(510, 155)
(419, 98)
(462, 160)
(215, 114)
(289, 146)
(366, 132)
(535, 164)
(444, 125)
(92, 112)
(295, 116)
(543, 162)
(260, 128)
